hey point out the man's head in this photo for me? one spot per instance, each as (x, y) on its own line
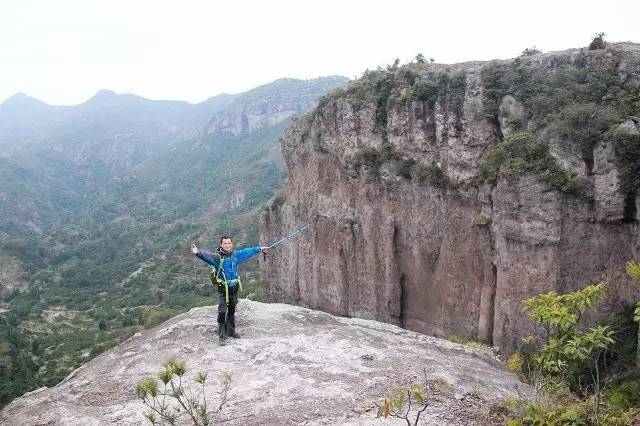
(226, 243)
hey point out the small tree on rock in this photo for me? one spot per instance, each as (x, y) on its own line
(189, 401)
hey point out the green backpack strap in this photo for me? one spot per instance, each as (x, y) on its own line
(224, 280)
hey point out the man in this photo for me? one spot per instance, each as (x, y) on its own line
(226, 276)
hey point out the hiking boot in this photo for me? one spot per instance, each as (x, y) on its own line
(222, 336)
(232, 328)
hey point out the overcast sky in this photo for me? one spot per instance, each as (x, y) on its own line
(63, 51)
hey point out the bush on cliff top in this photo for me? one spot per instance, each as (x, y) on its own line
(521, 153)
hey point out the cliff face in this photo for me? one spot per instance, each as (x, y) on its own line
(407, 230)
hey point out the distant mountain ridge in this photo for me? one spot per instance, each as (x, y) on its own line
(89, 144)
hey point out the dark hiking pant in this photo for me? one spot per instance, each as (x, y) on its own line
(227, 311)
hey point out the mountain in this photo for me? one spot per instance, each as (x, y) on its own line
(97, 203)
(292, 365)
(442, 196)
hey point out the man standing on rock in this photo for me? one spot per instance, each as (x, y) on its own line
(224, 262)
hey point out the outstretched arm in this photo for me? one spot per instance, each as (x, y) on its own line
(211, 258)
(247, 253)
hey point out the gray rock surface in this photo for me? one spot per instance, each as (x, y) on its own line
(291, 366)
(456, 260)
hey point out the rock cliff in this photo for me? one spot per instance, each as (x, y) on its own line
(292, 366)
(441, 196)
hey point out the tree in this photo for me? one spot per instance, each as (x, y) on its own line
(597, 42)
(400, 400)
(565, 348)
(633, 269)
(188, 401)
(420, 58)
(530, 51)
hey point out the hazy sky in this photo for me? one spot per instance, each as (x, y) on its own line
(63, 51)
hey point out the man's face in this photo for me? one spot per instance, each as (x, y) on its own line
(227, 244)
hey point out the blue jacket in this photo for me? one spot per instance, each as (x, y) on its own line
(230, 264)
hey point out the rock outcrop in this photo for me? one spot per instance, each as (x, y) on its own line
(404, 228)
(292, 366)
(271, 104)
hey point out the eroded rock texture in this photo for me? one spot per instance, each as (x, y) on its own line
(405, 230)
(292, 366)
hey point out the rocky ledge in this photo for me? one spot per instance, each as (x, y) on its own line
(291, 366)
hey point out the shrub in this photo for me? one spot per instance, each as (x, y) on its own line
(563, 342)
(530, 51)
(584, 124)
(401, 400)
(431, 174)
(627, 150)
(369, 157)
(426, 91)
(597, 42)
(516, 362)
(158, 400)
(520, 153)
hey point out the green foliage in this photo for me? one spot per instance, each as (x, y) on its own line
(426, 91)
(627, 149)
(372, 86)
(633, 269)
(400, 400)
(564, 343)
(521, 153)
(538, 414)
(566, 411)
(374, 159)
(85, 266)
(597, 42)
(369, 157)
(516, 362)
(531, 51)
(431, 174)
(584, 124)
(191, 402)
(547, 91)
(625, 396)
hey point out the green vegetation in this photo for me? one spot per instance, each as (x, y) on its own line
(579, 99)
(585, 124)
(158, 397)
(627, 150)
(409, 400)
(522, 153)
(374, 159)
(446, 86)
(584, 376)
(467, 342)
(431, 174)
(530, 51)
(120, 265)
(597, 42)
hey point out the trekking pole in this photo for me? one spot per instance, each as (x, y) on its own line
(282, 240)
